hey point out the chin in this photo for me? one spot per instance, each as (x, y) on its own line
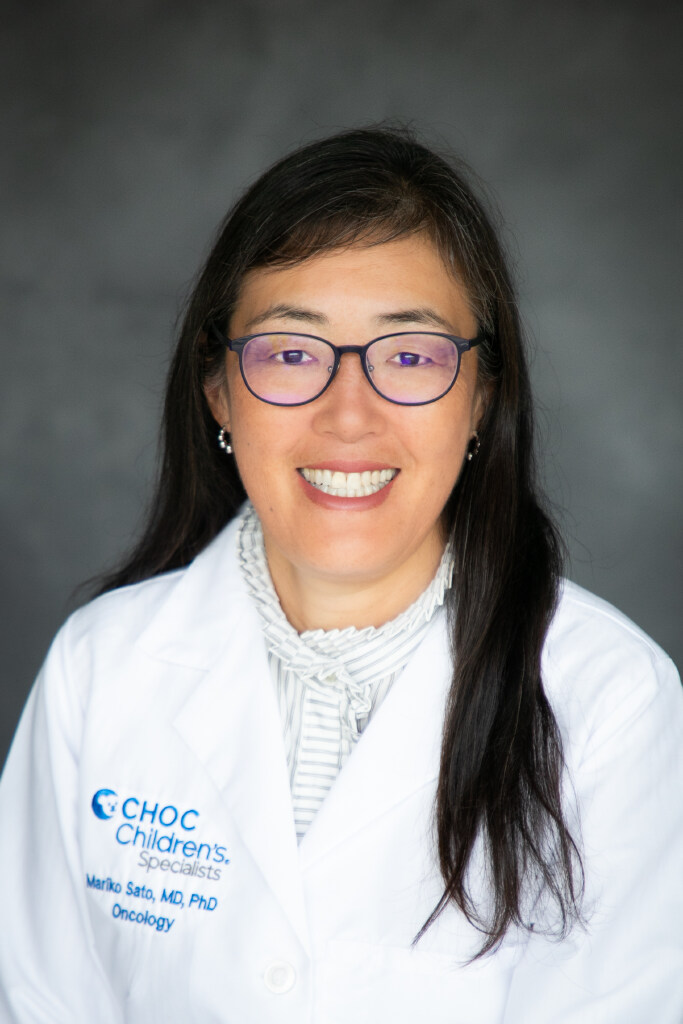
(349, 562)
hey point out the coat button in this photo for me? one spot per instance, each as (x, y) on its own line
(279, 977)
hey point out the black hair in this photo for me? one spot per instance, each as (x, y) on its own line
(502, 764)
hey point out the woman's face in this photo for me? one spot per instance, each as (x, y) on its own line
(350, 296)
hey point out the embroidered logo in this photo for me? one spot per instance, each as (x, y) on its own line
(104, 803)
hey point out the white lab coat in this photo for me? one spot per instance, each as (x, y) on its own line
(161, 693)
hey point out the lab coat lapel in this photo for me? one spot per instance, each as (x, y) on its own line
(232, 724)
(397, 754)
(231, 721)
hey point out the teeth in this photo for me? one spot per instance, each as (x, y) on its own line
(349, 485)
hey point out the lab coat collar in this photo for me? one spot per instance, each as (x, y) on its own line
(198, 618)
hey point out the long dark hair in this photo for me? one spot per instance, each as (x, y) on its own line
(501, 760)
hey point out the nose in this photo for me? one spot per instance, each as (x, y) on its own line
(350, 408)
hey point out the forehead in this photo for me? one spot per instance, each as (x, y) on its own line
(359, 282)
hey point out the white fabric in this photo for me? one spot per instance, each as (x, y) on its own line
(329, 683)
(161, 692)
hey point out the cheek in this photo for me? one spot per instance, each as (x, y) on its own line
(443, 440)
(442, 458)
(447, 468)
(263, 438)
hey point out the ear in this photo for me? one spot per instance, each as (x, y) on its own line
(481, 403)
(217, 401)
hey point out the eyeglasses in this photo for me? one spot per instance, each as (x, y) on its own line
(409, 368)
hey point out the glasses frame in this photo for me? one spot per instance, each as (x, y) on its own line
(238, 345)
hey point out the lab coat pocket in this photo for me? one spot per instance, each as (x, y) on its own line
(369, 983)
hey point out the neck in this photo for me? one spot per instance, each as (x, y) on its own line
(312, 601)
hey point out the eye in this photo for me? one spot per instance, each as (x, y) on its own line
(410, 359)
(293, 357)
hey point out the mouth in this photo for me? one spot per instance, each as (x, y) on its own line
(348, 485)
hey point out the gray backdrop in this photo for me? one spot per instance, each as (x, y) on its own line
(130, 126)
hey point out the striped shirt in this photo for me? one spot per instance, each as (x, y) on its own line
(329, 683)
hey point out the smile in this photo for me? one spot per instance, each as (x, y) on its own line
(348, 485)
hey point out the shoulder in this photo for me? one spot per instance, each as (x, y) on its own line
(164, 609)
(126, 609)
(600, 671)
(589, 631)
(144, 645)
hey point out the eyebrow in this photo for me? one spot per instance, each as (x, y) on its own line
(283, 311)
(421, 315)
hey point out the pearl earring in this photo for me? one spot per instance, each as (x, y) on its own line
(224, 441)
(473, 447)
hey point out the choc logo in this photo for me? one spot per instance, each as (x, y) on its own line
(104, 803)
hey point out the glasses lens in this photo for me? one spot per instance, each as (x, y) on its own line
(287, 369)
(413, 368)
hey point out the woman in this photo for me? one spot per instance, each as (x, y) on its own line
(349, 751)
